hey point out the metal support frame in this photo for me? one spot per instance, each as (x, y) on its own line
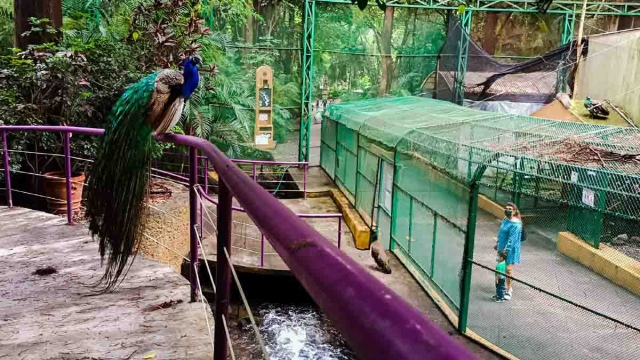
(567, 8)
(223, 271)
(567, 37)
(307, 79)
(193, 221)
(594, 7)
(467, 257)
(67, 174)
(462, 55)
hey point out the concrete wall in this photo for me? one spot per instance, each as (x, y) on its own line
(612, 71)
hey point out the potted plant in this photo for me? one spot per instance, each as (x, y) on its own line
(55, 185)
(55, 189)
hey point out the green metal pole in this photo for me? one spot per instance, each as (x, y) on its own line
(465, 289)
(410, 225)
(433, 243)
(463, 54)
(537, 190)
(307, 79)
(394, 205)
(567, 37)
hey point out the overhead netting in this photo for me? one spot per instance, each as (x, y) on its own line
(533, 81)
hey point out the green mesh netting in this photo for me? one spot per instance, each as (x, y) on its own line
(587, 171)
(420, 155)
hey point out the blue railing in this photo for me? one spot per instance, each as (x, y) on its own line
(373, 319)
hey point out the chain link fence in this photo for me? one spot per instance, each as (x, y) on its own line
(432, 179)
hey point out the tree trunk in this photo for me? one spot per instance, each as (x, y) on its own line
(387, 60)
(490, 38)
(249, 27)
(39, 9)
(625, 22)
(288, 54)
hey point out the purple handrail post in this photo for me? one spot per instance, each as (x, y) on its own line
(206, 176)
(7, 172)
(254, 172)
(201, 204)
(223, 272)
(67, 174)
(304, 170)
(339, 231)
(261, 250)
(193, 221)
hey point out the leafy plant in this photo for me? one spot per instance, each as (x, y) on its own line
(6, 26)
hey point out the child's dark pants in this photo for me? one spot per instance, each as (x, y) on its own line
(500, 289)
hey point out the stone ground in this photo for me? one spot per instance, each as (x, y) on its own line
(59, 316)
(534, 325)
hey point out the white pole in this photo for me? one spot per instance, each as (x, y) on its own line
(583, 13)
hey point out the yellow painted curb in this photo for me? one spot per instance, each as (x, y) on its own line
(491, 207)
(358, 228)
(318, 194)
(606, 261)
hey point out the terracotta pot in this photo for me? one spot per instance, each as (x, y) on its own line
(55, 186)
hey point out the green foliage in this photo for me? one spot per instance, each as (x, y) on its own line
(6, 26)
(350, 49)
(106, 46)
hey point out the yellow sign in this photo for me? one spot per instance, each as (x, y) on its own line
(264, 108)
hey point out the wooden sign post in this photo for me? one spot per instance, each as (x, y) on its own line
(264, 108)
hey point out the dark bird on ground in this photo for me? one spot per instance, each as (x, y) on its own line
(596, 109)
(380, 257)
(120, 174)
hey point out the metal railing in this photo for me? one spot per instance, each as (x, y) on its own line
(253, 168)
(202, 193)
(374, 320)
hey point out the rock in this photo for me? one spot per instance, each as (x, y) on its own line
(564, 99)
(620, 239)
(635, 240)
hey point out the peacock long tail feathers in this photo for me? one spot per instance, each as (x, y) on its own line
(119, 179)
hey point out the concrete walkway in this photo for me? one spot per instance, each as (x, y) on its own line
(288, 150)
(59, 316)
(534, 325)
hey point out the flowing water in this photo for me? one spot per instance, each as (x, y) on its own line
(291, 332)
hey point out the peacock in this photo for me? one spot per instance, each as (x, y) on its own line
(596, 109)
(120, 174)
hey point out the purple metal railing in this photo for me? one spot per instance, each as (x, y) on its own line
(301, 216)
(254, 170)
(7, 172)
(374, 320)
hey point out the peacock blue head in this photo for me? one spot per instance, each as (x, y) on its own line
(191, 76)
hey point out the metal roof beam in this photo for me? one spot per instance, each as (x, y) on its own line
(522, 6)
